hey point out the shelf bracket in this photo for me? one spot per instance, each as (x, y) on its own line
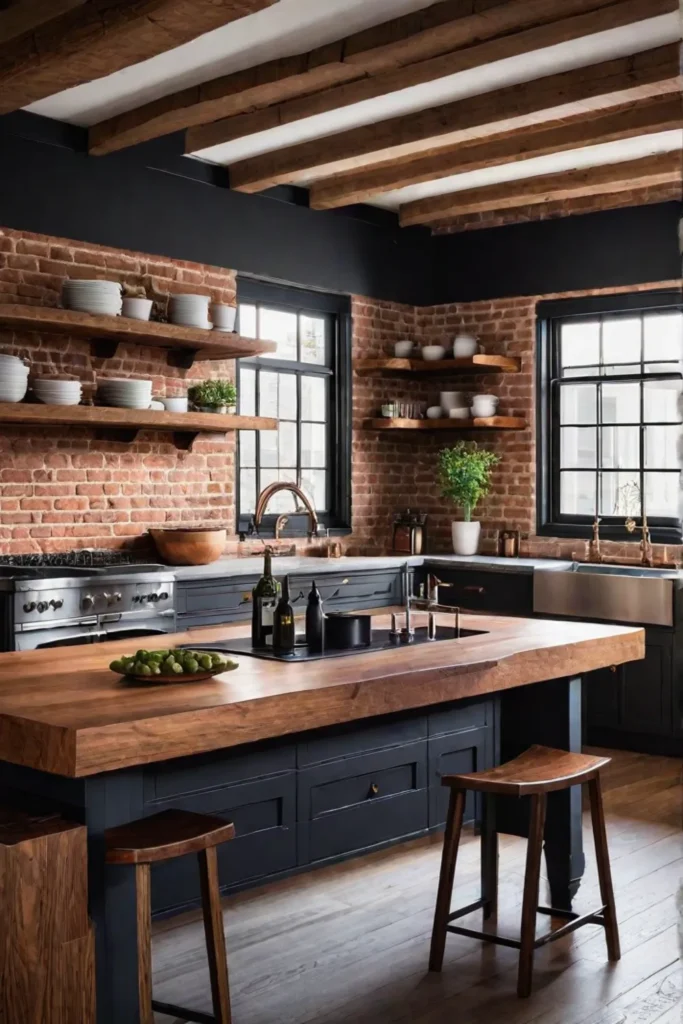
(123, 435)
(184, 439)
(181, 358)
(104, 348)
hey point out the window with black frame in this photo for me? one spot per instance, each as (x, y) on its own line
(610, 420)
(305, 384)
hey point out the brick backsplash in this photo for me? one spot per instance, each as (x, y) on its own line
(67, 490)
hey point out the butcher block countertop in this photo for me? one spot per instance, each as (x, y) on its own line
(64, 711)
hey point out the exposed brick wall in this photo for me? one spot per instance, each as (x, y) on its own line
(562, 208)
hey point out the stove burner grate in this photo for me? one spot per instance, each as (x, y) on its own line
(88, 559)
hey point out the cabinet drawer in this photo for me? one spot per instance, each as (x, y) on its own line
(196, 774)
(355, 590)
(476, 714)
(264, 815)
(359, 738)
(356, 803)
(467, 751)
(510, 593)
(215, 601)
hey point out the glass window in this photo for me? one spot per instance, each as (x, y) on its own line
(614, 417)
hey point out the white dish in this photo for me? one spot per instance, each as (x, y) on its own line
(484, 406)
(462, 413)
(12, 393)
(434, 412)
(157, 406)
(223, 316)
(432, 353)
(465, 345)
(403, 349)
(175, 404)
(59, 399)
(137, 309)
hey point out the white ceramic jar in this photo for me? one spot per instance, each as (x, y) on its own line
(484, 406)
(465, 345)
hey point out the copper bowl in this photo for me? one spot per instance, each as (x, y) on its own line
(190, 547)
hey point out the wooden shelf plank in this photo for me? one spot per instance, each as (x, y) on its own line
(488, 423)
(480, 363)
(201, 344)
(106, 417)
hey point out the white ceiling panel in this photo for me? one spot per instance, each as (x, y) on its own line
(575, 159)
(537, 64)
(286, 28)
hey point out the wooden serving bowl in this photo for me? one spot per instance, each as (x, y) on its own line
(190, 547)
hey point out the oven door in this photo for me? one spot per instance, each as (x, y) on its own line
(118, 627)
(68, 633)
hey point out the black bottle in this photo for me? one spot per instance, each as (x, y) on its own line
(315, 622)
(264, 598)
(284, 634)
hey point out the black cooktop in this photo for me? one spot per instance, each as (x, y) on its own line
(92, 558)
(381, 641)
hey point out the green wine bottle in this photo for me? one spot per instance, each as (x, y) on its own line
(284, 630)
(264, 601)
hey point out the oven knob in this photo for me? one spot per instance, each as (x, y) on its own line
(116, 597)
(56, 604)
(42, 606)
(153, 597)
(163, 596)
(88, 601)
(30, 607)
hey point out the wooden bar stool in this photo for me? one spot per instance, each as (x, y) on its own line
(162, 837)
(535, 773)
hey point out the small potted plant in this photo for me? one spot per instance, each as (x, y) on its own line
(213, 396)
(465, 477)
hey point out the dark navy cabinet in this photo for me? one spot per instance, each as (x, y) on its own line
(481, 590)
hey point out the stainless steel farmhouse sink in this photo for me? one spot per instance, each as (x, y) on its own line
(613, 593)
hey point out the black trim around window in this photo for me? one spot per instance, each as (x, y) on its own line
(550, 316)
(338, 369)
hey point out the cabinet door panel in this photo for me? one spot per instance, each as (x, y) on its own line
(602, 689)
(647, 692)
(467, 751)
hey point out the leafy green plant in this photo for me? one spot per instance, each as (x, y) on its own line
(465, 474)
(213, 393)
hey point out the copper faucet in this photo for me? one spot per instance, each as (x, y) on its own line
(594, 553)
(268, 492)
(646, 552)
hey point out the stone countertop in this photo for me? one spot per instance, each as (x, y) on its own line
(312, 566)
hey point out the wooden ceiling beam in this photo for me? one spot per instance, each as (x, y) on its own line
(457, 59)
(26, 15)
(659, 114)
(650, 171)
(249, 100)
(598, 87)
(99, 37)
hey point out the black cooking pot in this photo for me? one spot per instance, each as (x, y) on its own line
(344, 630)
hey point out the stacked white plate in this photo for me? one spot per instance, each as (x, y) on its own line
(190, 311)
(125, 392)
(13, 379)
(99, 297)
(53, 391)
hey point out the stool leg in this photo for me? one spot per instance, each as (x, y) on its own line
(530, 903)
(489, 856)
(456, 808)
(144, 923)
(604, 869)
(215, 936)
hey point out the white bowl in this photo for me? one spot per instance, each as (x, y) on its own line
(175, 404)
(137, 309)
(453, 400)
(12, 392)
(403, 349)
(434, 412)
(8, 362)
(157, 406)
(462, 413)
(465, 345)
(484, 406)
(223, 316)
(59, 399)
(433, 352)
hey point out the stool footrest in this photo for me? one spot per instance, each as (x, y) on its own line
(595, 917)
(574, 921)
(499, 940)
(469, 909)
(180, 1012)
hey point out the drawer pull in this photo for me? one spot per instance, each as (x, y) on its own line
(345, 581)
(613, 668)
(246, 598)
(475, 590)
(374, 789)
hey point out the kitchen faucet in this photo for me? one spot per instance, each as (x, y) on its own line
(430, 604)
(268, 492)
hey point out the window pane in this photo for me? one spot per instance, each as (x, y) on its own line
(664, 336)
(283, 501)
(313, 444)
(313, 484)
(314, 398)
(579, 447)
(621, 403)
(620, 494)
(577, 494)
(269, 449)
(247, 395)
(247, 320)
(660, 401)
(621, 447)
(580, 343)
(288, 400)
(247, 490)
(661, 494)
(268, 394)
(288, 445)
(247, 448)
(621, 340)
(275, 325)
(579, 403)
(312, 339)
(661, 447)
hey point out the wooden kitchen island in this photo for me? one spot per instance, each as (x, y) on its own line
(313, 762)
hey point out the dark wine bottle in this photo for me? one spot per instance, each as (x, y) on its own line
(315, 621)
(264, 601)
(284, 635)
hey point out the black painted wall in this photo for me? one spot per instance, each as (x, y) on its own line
(153, 199)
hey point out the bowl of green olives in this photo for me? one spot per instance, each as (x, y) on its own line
(171, 666)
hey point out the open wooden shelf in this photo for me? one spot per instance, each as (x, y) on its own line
(124, 424)
(489, 423)
(480, 363)
(185, 344)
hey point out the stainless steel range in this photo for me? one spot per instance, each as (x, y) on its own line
(59, 601)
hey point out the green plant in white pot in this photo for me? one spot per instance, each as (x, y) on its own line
(213, 396)
(465, 477)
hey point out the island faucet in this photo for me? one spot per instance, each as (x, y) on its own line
(420, 603)
(268, 492)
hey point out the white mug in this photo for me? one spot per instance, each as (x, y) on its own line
(223, 316)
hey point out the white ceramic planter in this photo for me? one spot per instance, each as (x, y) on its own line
(465, 537)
